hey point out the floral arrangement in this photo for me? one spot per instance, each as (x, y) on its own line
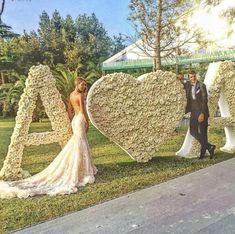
(137, 114)
(39, 82)
(224, 82)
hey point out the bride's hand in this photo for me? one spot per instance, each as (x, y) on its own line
(86, 126)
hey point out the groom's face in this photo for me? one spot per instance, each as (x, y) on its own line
(192, 78)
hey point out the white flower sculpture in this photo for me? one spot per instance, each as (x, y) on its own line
(224, 84)
(39, 82)
(137, 114)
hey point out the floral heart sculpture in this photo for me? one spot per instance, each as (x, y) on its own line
(137, 114)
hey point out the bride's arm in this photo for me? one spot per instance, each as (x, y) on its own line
(70, 110)
(83, 108)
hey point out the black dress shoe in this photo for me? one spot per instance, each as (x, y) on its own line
(202, 156)
(212, 151)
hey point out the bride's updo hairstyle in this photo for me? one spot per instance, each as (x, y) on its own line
(79, 80)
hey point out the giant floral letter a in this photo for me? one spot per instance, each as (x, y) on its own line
(39, 82)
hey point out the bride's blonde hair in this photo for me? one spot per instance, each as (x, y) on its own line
(79, 80)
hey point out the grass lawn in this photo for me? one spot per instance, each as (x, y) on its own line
(117, 175)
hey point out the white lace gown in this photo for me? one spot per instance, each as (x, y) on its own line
(72, 167)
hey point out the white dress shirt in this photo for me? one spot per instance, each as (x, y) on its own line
(194, 91)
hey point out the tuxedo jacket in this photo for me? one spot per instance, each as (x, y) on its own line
(201, 97)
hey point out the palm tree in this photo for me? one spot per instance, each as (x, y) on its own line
(10, 94)
(5, 98)
(93, 72)
(65, 80)
(19, 85)
(16, 91)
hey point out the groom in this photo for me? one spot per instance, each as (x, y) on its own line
(196, 95)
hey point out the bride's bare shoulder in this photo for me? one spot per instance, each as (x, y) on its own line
(71, 96)
(75, 96)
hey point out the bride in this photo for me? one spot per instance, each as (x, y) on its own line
(72, 167)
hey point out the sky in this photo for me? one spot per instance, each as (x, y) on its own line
(24, 14)
(214, 26)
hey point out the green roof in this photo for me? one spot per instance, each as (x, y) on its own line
(179, 60)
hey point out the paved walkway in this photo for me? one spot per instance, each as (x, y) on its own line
(200, 202)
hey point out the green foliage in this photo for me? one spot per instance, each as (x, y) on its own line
(70, 42)
(60, 41)
(118, 43)
(50, 34)
(96, 44)
(20, 53)
(160, 24)
(6, 31)
(70, 47)
(5, 99)
(65, 80)
(10, 94)
(93, 72)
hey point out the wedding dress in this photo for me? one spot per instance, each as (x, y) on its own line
(72, 167)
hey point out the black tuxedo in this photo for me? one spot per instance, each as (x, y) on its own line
(201, 98)
(197, 107)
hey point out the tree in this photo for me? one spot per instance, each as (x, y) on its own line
(8, 59)
(155, 24)
(70, 47)
(2, 9)
(93, 72)
(20, 53)
(28, 50)
(118, 43)
(226, 13)
(73, 48)
(10, 94)
(5, 98)
(5, 30)
(44, 29)
(69, 29)
(65, 80)
(65, 41)
(50, 34)
(93, 38)
(73, 53)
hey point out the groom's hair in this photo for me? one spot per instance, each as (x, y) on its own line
(192, 72)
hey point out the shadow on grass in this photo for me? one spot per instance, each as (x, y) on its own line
(160, 164)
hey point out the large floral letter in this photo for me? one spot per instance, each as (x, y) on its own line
(40, 82)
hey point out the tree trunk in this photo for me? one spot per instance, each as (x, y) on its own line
(177, 54)
(158, 36)
(5, 109)
(154, 61)
(2, 78)
(2, 9)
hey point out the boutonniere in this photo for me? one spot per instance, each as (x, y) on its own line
(198, 91)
